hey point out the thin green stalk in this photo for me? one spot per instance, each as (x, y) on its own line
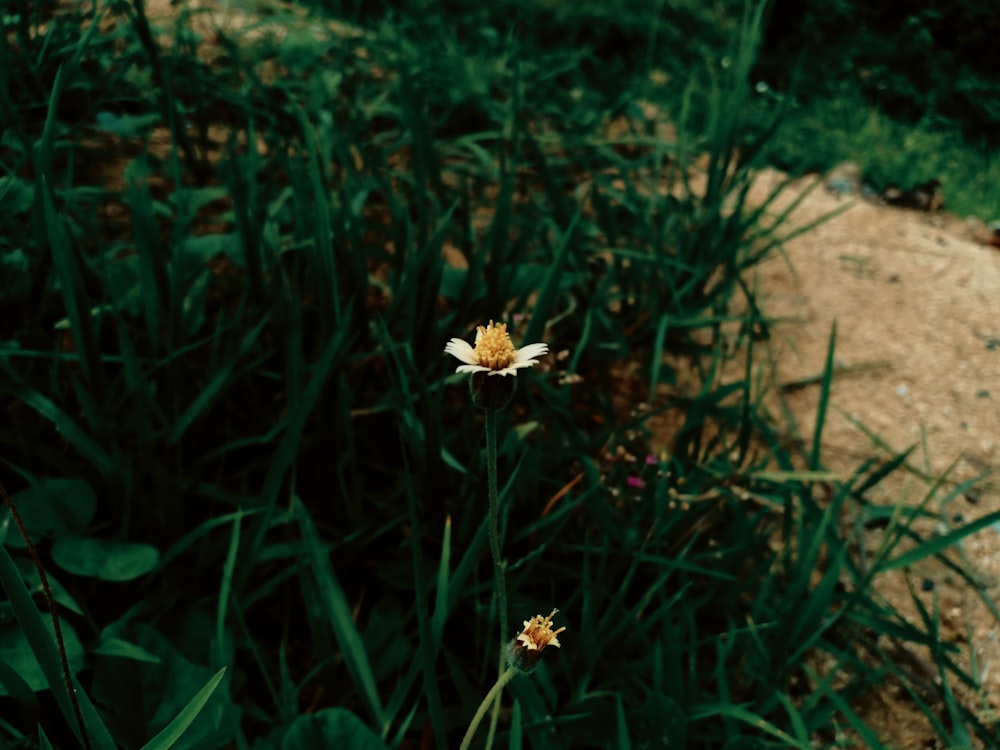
(491, 696)
(494, 715)
(498, 564)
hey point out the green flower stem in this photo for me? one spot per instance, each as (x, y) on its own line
(494, 533)
(499, 568)
(490, 699)
(495, 714)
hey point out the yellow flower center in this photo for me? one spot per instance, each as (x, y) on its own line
(538, 633)
(494, 349)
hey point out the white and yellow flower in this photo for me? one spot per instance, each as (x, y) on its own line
(538, 633)
(525, 651)
(494, 352)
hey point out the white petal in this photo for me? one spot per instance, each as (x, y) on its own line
(512, 370)
(472, 368)
(530, 352)
(460, 349)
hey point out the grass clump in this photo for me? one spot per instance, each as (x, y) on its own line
(906, 92)
(234, 445)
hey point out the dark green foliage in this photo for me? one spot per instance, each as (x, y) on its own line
(931, 57)
(251, 471)
(908, 91)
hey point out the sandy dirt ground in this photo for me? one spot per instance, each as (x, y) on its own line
(916, 301)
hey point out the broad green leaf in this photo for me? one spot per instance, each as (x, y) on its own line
(208, 246)
(128, 126)
(16, 195)
(453, 281)
(54, 509)
(105, 559)
(16, 651)
(449, 458)
(331, 728)
(192, 200)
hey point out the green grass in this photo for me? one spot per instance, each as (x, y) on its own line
(250, 473)
(906, 91)
(842, 126)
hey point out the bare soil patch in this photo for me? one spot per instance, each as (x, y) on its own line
(916, 300)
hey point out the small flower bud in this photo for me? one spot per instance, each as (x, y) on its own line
(490, 392)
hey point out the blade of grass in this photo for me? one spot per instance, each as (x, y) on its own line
(656, 366)
(959, 735)
(225, 588)
(286, 452)
(152, 266)
(282, 700)
(288, 704)
(64, 74)
(215, 386)
(185, 542)
(823, 686)
(745, 715)
(165, 89)
(440, 615)
(798, 723)
(824, 402)
(339, 613)
(322, 251)
(43, 151)
(516, 728)
(64, 424)
(547, 294)
(75, 298)
(241, 182)
(884, 470)
(428, 650)
(939, 544)
(171, 733)
(623, 742)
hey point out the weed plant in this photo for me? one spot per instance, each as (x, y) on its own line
(234, 249)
